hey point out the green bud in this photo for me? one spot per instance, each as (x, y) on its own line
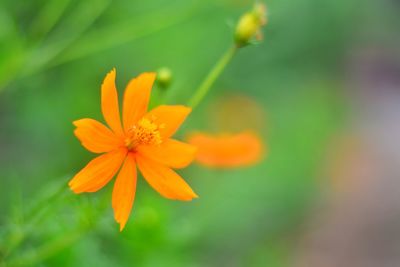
(164, 77)
(249, 25)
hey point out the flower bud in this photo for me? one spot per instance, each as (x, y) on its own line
(164, 77)
(249, 25)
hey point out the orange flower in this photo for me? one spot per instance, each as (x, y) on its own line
(143, 139)
(227, 150)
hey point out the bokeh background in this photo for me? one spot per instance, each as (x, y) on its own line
(322, 89)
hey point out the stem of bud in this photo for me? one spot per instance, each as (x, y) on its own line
(212, 76)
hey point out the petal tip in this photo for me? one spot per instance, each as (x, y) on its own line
(121, 226)
(189, 197)
(76, 123)
(76, 132)
(186, 109)
(110, 76)
(73, 188)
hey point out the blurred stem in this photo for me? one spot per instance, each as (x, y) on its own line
(73, 44)
(38, 255)
(45, 202)
(41, 253)
(18, 235)
(86, 13)
(48, 17)
(124, 32)
(212, 76)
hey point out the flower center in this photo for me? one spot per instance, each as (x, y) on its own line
(145, 132)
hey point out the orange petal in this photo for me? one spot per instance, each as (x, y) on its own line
(98, 172)
(171, 152)
(164, 180)
(228, 150)
(109, 103)
(136, 98)
(124, 191)
(96, 137)
(169, 118)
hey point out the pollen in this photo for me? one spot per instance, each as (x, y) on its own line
(145, 132)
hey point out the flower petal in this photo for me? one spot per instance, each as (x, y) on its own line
(171, 152)
(124, 191)
(109, 103)
(164, 180)
(228, 150)
(95, 136)
(169, 117)
(136, 98)
(98, 172)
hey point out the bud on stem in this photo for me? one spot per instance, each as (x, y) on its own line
(249, 25)
(164, 77)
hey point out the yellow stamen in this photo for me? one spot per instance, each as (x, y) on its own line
(145, 132)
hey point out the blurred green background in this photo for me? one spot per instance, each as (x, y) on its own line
(53, 57)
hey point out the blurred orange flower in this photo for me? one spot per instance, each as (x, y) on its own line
(142, 139)
(227, 150)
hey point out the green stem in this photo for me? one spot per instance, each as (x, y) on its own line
(36, 256)
(47, 250)
(47, 18)
(124, 32)
(30, 219)
(212, 76)
(86, 14)
(61, 190)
